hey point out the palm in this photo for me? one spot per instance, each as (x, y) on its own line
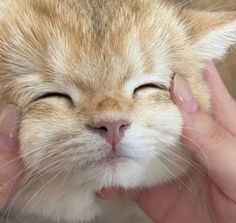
(190, 201)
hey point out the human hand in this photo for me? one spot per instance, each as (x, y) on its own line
(212, 139)
(10, 163)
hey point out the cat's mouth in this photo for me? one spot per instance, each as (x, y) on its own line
(111, 159)
(115, 157)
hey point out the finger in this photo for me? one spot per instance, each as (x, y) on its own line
(107, 193)
(225, 207)
(8, 121)
(10, 169)
(157, 201)
(223, 105)
(10, 165)
(154, 202)
(212, 145)
(110, 193)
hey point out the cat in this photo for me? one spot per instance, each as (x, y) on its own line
(91, 82)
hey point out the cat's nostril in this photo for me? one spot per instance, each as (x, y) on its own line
(112, 131)
(102, 128)
(124, 126)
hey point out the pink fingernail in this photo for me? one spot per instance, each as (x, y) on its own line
(183, 95)
(6, 143)
(210, 69)
(8, 121)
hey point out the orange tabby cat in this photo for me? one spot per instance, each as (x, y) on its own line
(91, 81)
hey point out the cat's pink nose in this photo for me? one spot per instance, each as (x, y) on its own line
(112, 130)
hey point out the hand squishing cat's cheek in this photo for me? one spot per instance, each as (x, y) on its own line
(91, 80)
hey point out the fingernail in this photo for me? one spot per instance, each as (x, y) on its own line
(7, 143)
(183, 95)
(8, 121)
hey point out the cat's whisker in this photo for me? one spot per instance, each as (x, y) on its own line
(188, 176)
(222, 7)
(212, 8)
(51, 153)
(172, 174)
(192, 142)
(39, 191)
(198, 149)
(26, 182)
(18, 158)
(194, 129)
(86, 81)
(20, 191)
(190, 162)
(11, 180)
(25, 155)
(48, 167)
(182, 4)
(61, 185)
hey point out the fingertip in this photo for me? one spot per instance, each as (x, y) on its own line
(183, 95)
(214, 82)
(210, 69)
(8, 121)
(8, 127)
(107, 193)
(7, 143)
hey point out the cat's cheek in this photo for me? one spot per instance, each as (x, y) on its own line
(38, 127)
(157, 143)
(152, 143)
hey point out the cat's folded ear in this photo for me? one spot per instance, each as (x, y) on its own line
(212, 33)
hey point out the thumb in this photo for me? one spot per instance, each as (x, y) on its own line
(8, 120)
(211, 144)
(10, 164)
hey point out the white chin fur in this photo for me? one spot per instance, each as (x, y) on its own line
(78, 203)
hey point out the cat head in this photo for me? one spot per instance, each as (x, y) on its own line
(91, 81)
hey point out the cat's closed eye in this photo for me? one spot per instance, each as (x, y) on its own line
(55, 95)
(150, 86)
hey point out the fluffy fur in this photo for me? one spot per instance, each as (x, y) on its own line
(90, 59)
(226, 67)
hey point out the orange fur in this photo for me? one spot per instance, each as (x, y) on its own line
(101, 57)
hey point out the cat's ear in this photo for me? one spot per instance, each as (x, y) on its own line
(212, 33)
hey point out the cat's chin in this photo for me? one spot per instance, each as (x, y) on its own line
(79, 203)
(128, 173)
(74, 199)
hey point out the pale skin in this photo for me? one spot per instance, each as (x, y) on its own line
(10, 164)
(195, 198)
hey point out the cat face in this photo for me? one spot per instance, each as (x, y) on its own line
(93, 88)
